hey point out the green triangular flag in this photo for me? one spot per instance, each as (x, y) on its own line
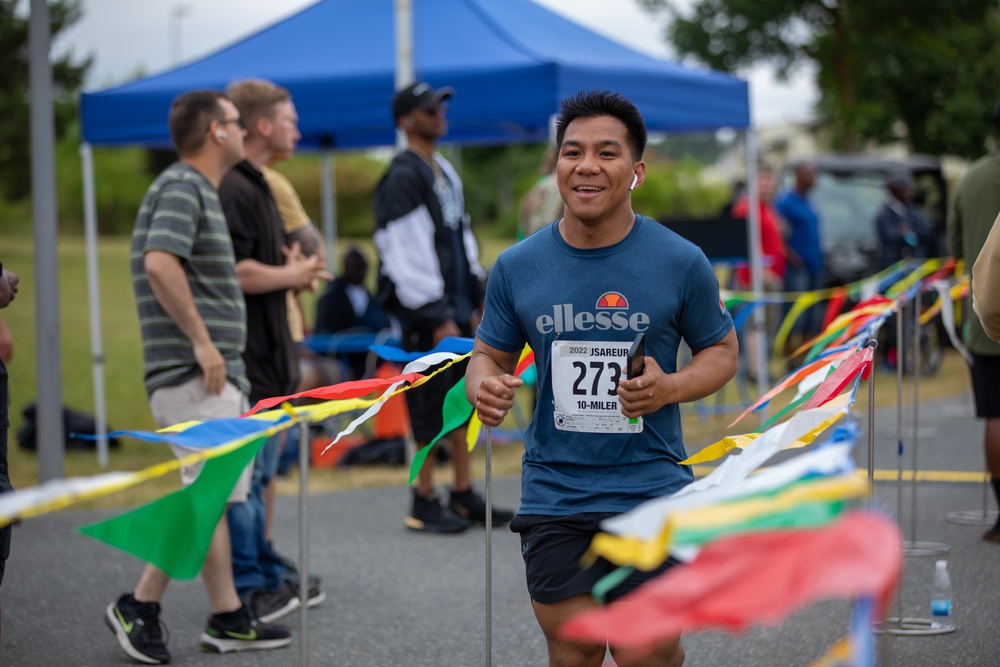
(173, 532)
(455, 412)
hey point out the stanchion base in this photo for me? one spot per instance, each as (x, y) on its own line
(925, 548)
(912, 626)
(973, 517)
(958, 411)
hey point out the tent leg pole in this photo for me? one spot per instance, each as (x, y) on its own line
(51, 439)
(328, 188)
(756, 266)
(94, 298)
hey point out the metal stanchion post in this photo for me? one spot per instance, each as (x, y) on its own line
(873, 344)
(899, 410)
(900, 625)
(912, 547)
(304, 542)
(489, 546)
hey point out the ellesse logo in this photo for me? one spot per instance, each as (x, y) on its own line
(612, 300)
(610, 313)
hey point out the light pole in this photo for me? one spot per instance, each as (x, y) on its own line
(176, 48)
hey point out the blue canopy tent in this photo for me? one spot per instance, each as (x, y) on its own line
(510, 63)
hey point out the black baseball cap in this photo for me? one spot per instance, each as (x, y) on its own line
(418, 96)
(899, 179)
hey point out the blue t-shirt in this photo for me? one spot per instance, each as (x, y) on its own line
(803, 219)
(543, 291)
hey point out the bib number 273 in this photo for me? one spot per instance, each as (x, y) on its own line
(585, 377)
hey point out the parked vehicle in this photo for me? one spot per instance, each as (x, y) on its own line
(848, 193)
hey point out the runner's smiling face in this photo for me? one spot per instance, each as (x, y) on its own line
(595, 169)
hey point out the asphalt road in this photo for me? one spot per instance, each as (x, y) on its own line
(400, 598)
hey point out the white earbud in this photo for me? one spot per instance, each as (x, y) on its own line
(221, 134)
(635, 181)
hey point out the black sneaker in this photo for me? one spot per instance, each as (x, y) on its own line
(429, 515)
(316, 592)
(240, 631)
(269, 606)
(139, 630)
(469, 505)
(291, 577)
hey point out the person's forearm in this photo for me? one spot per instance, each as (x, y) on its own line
(707, 372)
(258, 278)
(482, 365)
(986, 284)
(309, 240)
(170, 287)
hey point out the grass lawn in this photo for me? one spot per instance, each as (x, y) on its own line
(126, 398)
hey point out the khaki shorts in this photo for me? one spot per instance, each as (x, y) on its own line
(189, 402)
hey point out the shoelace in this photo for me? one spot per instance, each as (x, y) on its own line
(153, 630)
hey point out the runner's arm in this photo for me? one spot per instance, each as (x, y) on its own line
(490, 382)
(709, 369)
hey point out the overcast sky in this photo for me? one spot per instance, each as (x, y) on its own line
(129, 36)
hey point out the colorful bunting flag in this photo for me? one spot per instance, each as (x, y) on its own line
(173, 533)
(859, 363)
(641, 536)
(753, 579)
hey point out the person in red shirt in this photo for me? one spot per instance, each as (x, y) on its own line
(774, 256)
(771, 241)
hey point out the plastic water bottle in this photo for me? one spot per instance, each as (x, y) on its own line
(941, 610)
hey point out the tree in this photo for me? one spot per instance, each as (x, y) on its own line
(67, 77)
(922, 71)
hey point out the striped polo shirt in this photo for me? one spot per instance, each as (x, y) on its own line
(181, 215)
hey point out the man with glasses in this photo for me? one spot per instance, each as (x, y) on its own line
(430, 279)
(193, 323)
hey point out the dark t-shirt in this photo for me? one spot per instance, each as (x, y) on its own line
(255, 226)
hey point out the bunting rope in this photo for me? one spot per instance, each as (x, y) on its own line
(737, 508)
(347, 396)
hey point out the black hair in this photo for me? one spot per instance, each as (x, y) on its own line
(190, 115)
(593, 103)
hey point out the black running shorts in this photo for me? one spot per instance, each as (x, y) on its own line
(986, 386)
(552, 547)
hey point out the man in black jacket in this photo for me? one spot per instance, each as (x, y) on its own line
(431, 280)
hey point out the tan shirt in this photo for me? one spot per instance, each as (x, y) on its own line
(986, 283)
(293, 217)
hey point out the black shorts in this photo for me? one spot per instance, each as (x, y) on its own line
(552, 547)
(425, 402)
(986, 386)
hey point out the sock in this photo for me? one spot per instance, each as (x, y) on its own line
(231, 617)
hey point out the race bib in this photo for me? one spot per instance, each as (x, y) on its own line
(585, 377)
